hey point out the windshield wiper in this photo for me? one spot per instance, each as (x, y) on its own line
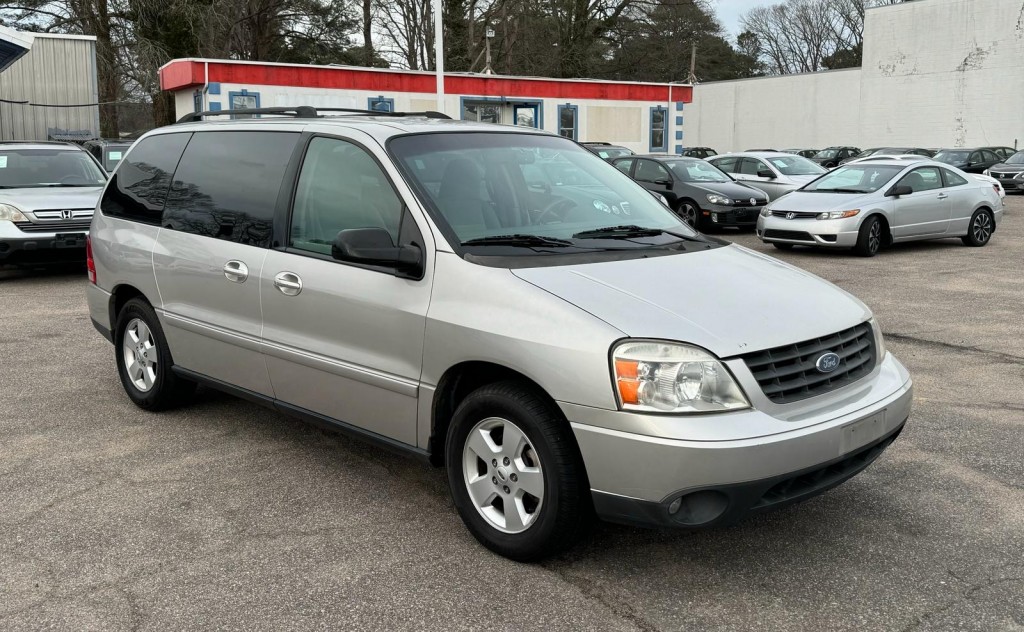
(518, 240)
(628, 231)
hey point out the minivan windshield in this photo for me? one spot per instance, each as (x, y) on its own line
(855, 178)
(533, 191)
(31, 168)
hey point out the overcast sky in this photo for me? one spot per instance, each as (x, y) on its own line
(729, 12)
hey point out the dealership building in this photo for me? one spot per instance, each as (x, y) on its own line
(646, 117)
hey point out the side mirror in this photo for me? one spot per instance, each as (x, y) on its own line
(764, 173)
(664, 183)
(374, 246)
(899, 189)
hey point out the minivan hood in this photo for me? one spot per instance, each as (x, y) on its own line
(52, 198)
(728, 300)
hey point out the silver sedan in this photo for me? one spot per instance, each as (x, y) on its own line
(773, 172)
(867, 205)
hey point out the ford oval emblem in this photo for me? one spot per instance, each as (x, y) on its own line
(827, 362)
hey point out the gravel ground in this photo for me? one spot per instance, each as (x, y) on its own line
(224, 515)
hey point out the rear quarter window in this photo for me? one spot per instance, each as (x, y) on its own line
(138, 189)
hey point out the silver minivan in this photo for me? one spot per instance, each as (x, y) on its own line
(562, 349)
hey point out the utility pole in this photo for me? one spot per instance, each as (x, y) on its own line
(692, 77)
(439, 53)
(489, 35)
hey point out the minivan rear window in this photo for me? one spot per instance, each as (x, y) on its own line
(138, 189)
(227, 184)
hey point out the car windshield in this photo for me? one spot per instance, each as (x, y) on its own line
(532, 191)
(856, 178)
(613, 153)
(1016, 159)
(29, 168)
(796, 166)
(696, 171)
(826, 153)
(952, 157)
(867, 152)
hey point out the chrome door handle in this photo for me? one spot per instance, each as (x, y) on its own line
(942, 196)
(288, 282)
(236, 271)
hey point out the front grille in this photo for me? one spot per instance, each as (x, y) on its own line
(1006, 176)
(746, 202)
(796, 214)
(792, 235)
(73, 225)
(788, 373)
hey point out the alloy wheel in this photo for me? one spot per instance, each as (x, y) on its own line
(140, 354)
(690, 215)
(981, 228)
(503, 475)
(875, 236)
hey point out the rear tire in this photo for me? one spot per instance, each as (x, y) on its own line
(144, 359)
(979, 231)
(869, 239)
(515, 472)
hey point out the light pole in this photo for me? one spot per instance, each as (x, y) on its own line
(488, 36)
(439, 53)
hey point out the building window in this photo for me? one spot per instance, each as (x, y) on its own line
(197, 101)
(481, 112)
(525, 115)
(243, 100)
(568, 121)
(659, 141)
(380, 104)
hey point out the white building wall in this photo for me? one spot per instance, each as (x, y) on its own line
(625, 123)
(935, 73)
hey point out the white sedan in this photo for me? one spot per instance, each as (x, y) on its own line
(873, 203)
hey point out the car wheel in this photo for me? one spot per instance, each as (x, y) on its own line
(782, 246)
(515, 472)
(690, 213)
(980, 230)
(869, 239)
(144, 359)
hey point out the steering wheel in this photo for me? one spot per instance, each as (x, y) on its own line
(553, 209)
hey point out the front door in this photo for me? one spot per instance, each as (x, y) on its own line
(343, 340)
(925, 212)
(753, 171)
(655, 177)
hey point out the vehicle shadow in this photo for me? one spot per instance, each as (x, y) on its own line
(63, 270)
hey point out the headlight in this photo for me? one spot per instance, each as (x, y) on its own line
(670, 377)
(1019, 176)
(10, 214)
(766, 212)
(838, 214)
(879, 340)
(718, 199)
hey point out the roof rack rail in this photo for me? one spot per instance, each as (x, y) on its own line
(303, 111)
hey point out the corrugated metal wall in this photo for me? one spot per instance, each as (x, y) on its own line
(57, 70)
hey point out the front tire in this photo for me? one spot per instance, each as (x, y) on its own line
(869, 239)
(979, 231)
(144, 359)
(515, 472)
(690, 213)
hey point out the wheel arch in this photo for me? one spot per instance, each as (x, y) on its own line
(121, 294)
(887, 236)
(455, 384)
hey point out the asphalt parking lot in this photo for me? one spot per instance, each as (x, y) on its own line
(224, 515)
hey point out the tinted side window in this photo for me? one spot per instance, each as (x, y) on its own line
(923, 179)
(727, 165)
(989, 156)
(138, 190)
(952, 179)
(750, 166)
(650, 171)
(341, 187)
(227, 184)
(624, 165)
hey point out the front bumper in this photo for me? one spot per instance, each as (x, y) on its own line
(17, 247)
(638, 478)
(831, 233)
(730, 216)
(1010, 184)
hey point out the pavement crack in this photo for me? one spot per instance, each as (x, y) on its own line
(948, 346)
(968, 594)
(591, 590)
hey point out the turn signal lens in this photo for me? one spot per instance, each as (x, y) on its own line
(838, 214)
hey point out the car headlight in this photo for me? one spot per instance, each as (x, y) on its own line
(879, 340)
(1019, 176)
(9, 213)
(671, 377)
(838, 214)
(766, 212)
(718, 199)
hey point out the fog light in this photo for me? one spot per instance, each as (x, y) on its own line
(714, 217)
(699, 508)
(674, 507)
